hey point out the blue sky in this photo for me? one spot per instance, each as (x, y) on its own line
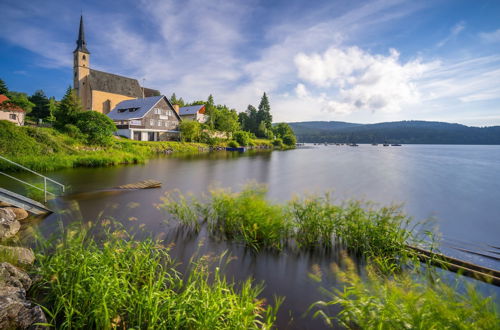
(357, 61)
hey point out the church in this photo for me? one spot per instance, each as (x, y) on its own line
(102, 91)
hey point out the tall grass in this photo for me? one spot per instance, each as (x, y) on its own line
(309, 223)
(404, 302)
(126, 283)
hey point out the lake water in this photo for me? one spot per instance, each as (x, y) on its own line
(456, 187)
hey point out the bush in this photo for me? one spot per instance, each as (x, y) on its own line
(97, 127)
(289, 140)
(233, 144)
(73, 131)
(242, 137)
(190, 131)
(277, 142)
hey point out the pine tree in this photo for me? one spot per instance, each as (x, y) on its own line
(41, 102)
(69, 108)
(210, 112)
(264, 112)
(173, 99)
(3, 88)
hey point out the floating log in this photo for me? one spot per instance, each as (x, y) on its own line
(146, 184)
(465, 268)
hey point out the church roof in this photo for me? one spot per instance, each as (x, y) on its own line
(81, 45)
(191, 110)
(112, 83)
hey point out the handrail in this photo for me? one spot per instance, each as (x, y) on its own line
(45, 179)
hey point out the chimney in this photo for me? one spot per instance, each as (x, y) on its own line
(176, 108)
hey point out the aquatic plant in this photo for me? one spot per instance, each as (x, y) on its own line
(403, 302)
(312, 222)
(118, 282)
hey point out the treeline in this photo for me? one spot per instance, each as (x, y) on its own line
(240, 129)
(66, 115)
(403, 132)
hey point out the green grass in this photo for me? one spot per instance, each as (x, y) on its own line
(404, 302)
(124, 283)
(309, 223)
(46, 149)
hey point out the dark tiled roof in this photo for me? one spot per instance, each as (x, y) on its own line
(142, 105)
(191, 110)
(81, 45)
(112, 83)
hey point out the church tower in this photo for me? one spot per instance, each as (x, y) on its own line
(81, 69)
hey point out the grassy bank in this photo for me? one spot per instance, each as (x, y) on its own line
(46, 149)
(123, 283)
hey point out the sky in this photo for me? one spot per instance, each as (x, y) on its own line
(322, 60)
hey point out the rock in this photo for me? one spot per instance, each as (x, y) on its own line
(3, 204)
(7, 214)
(23, 256)
(8, 228)
(16, 312)
(19, 213)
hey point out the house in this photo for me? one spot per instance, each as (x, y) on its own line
(194, 112)
(148, 119)
(101, 91)
(11, 112)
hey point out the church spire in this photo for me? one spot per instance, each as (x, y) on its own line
(81, 45)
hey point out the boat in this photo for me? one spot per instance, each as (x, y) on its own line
(396, 145)
(240, 149)
(374, 144)
(354, 145)
(386, 144)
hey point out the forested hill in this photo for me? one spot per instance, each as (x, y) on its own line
(425, 132)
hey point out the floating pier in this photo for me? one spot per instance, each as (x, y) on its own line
(146, 184)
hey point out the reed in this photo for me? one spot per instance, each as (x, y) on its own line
(119, 282)
(404, 302)
(308, 223)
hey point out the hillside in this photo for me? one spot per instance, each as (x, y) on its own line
(407, 132)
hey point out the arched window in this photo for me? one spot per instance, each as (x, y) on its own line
(84, 58)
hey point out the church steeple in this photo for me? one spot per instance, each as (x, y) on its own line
(81, 45)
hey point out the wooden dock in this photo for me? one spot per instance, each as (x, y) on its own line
(465, 268)
(146, 184)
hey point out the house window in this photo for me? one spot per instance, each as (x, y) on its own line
(151, 122)
(159, 122)
(13, 116)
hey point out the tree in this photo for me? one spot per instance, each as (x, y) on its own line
(242, 137)
(285, 133)
(97, 127)
(210, 112)
(41, 102)
(289, 140)
(52, 110)
(264, 112)
(175, 100)
(21, 100)
(226, 120)
(69, 108)
(3, 88)
(190, 131)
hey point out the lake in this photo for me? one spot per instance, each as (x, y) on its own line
(453, 188)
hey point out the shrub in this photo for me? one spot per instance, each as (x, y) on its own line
(190, 130)
(233, 144)
(277, 142)
(98, 127)
(242, 137)
(289, 140)
(73, 131)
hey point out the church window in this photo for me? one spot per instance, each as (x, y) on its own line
(84, 58)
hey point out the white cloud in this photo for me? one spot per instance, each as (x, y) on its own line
(357, 80)
(454, 32)
(492, 37)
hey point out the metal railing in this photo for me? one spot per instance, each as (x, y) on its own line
(45, 179)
